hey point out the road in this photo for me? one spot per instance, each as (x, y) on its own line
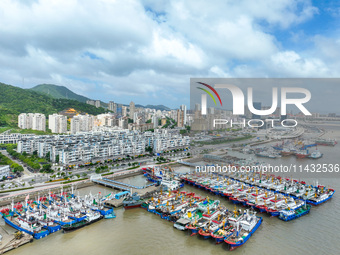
(26, 171)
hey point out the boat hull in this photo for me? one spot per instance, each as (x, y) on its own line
(79, 225)
(234, 245)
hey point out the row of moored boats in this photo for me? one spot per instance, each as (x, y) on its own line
(63, 211)
(205, 217)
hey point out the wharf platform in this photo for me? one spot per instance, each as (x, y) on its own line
(9, 242)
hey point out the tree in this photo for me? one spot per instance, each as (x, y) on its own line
(149, 149)
(47, 168)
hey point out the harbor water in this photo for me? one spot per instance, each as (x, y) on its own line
(136, 231)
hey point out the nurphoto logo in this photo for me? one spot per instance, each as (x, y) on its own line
(229, 95)
(238, 99)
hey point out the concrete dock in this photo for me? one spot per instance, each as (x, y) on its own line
(143, 193)
(9, 242)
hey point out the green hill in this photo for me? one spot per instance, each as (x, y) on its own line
(14, 100)
(56, 91)
(158, 107)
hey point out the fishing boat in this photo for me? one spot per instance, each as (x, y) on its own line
(220, 234)
(287, 152)
(326, 142)
(213, 226)
(321, 196)
(132, 201)
(28, 224)
(171, 184)
(245, 228)
(266, 154)
(112, 215)
(302, 154)
(291, 214)
(91, 217)
(181, 224)
(315, 154)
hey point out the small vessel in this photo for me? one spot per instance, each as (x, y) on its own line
(181, 224)
(266, 154)
(91, 217)
(291, 214)
(245, 226)
(302, 154)
(326, 142)
(222, 233)
(171, 184)
(111, 215)
(287, 152)
(132, 201)
(315, 154)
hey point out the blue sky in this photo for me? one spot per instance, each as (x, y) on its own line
(147, 51)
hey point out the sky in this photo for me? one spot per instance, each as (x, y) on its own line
(146, 51)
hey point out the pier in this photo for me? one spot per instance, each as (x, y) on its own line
(10, 242)
(118, 185)
(20, 195)
(142, 191)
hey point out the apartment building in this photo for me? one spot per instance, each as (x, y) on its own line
(4, 171)
(57, 123)
(35, 121)
(91, 146)
(82, 123)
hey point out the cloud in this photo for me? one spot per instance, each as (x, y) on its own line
(147, 50)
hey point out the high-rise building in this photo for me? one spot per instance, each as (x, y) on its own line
(211, 110)
(106, 119)
(132, 109)
(119, 109)
(180, 118)
(184, 109)
(124, 111)
(97, 103)
(135, 117)
(112, 107)
(91, 102)
(197, 107)
(81, 123)
(57, 123)
(35, 121)
(154, 120)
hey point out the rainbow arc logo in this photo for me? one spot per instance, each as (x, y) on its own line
(204, 97)
(209, 93)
